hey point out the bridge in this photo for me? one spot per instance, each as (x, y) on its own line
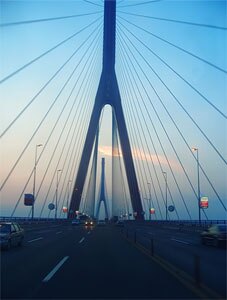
(116, 110)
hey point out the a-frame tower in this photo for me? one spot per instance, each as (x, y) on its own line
(102, 197)
(108, 93)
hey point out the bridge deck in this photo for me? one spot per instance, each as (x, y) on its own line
(62, 261)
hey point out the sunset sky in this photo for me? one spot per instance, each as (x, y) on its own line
(62, 132)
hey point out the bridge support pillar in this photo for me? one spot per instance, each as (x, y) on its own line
(108, 93)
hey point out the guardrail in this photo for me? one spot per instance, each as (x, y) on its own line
(203, 223)
(26, 220)
(189, 265)
(181, 224)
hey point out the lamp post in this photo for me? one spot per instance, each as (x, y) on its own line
(56, 202)
(149, 189)
(194, 149)
(34, 181)
(69, 182)
(165, 176)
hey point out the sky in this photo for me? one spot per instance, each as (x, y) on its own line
(164, 113)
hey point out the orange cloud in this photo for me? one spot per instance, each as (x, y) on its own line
(139, 155)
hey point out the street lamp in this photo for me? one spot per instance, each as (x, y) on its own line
(69, 182)
(194, 149)
(56, 203)
(34, 181)
(165, 176)
(149, 189)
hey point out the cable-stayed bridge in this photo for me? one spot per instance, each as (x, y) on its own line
(141, 84)
(170, 70)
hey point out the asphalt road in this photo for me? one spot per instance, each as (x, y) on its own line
(63, 262)
(182, 248)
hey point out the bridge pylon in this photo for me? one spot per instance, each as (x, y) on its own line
(102, 197)
(107, 93)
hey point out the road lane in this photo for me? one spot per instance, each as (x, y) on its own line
(104, 266)
(23, 268)
(182, 255)
(107, 266)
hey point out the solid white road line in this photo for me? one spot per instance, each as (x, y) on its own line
(55, 269)
(58, 232)
(81, 240)
(179, 241)
(40, 238)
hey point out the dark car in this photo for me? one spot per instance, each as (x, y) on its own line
(101, 223)
(89, 223)
(215, 235)
(120, 223)
(11, 234)
(76, 222)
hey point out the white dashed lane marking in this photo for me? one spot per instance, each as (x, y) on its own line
(55, 269)
(81, 241)
(179, 241)
(40, 238)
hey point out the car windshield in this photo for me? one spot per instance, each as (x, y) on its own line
(222, 228)
(5, 228)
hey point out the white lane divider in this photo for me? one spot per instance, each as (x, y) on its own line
(89, 232)
(81, 241)
(58, 232)
(40, 238)
(179, 241)
(55, 269)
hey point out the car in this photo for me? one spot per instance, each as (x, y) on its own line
(75, 222)
(89, 223)
(120, 223)
(11, 234)
(215, 235)
(101, 223)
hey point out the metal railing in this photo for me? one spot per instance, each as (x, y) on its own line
(194, 270)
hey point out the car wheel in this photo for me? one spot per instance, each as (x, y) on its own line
(20, 242)
(203, 241)
(8, 246)
(216, 242)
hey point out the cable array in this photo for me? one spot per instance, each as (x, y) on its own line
(155, 92)
(134, 79)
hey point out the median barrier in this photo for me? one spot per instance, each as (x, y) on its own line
(167, 255)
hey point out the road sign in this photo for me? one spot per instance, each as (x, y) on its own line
(64, 209)
(204, 202)
(28, 199)
(152, 211)
(171, 208)
(51, 206)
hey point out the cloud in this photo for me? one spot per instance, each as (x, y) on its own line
(139, 155)
(107, 150)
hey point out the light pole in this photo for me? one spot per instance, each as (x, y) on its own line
(165, 175)
(149, 189)
(194, 149)
(34, 181)
(56, 203)
(69, 182)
